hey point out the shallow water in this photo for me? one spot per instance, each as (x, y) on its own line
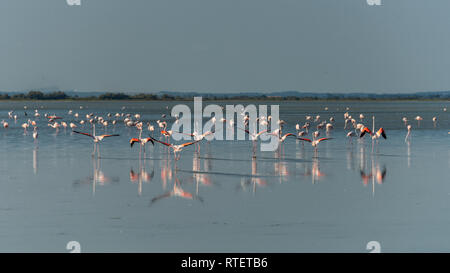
(53, 191)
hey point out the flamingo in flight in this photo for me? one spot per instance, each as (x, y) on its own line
(142, 141)
(283, 138)
(254, 136)
(176, 148)
(169, 133)
(314, 142)
(197, 137)
(54, 117)
(95, 138)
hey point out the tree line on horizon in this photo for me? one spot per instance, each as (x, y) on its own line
(60, 95)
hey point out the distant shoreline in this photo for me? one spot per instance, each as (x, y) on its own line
(108, 96)
(219, 99)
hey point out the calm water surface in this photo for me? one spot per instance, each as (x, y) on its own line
(53, 191)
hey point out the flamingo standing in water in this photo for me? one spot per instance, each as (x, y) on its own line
(55, 126)
(329, 127)
(418, 118)
(408, 135)
(25, 127)
(405, 120)
(350, 135)
(35, 133)
(150, 127)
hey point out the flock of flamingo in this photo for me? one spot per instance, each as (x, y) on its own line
(309, 131)
(351, 125)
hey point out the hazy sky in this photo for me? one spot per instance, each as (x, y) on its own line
(225, 45)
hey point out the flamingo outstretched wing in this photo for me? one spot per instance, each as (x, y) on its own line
(382, 133)
(186, 134)
(134, 140)
(151, 140)
(103, 136)
(288, 134)
(189, 143)
(167, 144)
(324, 138)
(86, 134)
(364, 131)
(262, 132)
(304, 139)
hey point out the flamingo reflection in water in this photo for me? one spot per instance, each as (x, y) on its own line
(315, 172)
(142, 175)
(176, 191)
(199, 177)
(35, 160)
(374, 174)
(281, 169)
(98, 177)
(254, 180)
(166, 171)
(280, 166)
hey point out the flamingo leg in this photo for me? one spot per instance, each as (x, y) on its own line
(93, 152)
